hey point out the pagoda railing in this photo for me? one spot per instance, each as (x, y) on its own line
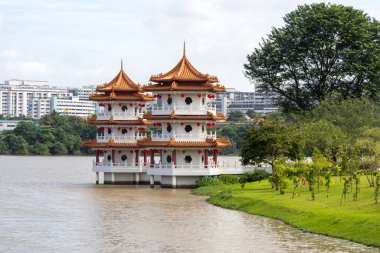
(121, 138)
(187, 136)
(183, 110)
(118, 167)
(198, 170)
(105, 115)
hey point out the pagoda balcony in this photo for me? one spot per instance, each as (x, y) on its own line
(183, 110)
(118, 167)
(120, 139)
(118, 115)
(183, 137)
(198, 170)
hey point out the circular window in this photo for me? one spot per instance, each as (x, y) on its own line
(188, 100)
(169, 159)
(109, 108)
(109, 131)
(124, 131)
(124, 108)
(170, 101)
(188, 128)
(188, 159)
(109, 157)
(169, 129)
(124, 157)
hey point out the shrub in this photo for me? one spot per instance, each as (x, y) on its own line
(256, 175)
(229, 179)
(204, 181)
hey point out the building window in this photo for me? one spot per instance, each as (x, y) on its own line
(170, 101)
(169, 159)
(203, 101)
(188, 159)
(188, 128)
(188, 100)
(109, 157)
(124, 131)
(124, 108)
(169, 129)
(203, 158)
(109, 131)
(109, 108)
(124, 157)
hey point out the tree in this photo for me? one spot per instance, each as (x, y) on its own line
(16, 144)
(236, 116)
(267, 143)
(323, 49)
(27, 130)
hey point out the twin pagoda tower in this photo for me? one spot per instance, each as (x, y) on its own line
(182, 145)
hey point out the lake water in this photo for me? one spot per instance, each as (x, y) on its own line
(51, 204)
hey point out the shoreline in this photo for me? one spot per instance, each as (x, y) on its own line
(333, 221)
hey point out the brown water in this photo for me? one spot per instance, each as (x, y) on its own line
(50, 204)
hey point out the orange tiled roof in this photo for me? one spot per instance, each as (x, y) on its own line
(208, 143)
(111, 121)
(122, 97)
(173, 116)
(109, 144)
(180, 86)
(120, 83)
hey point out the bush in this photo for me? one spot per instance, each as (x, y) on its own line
(204, 181)
(256, 175)
(229, 179)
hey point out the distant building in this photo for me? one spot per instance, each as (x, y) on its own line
(232, 100)
(35, 99)
(7, 125)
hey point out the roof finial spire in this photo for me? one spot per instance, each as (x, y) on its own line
(121, 64)
(184, 48)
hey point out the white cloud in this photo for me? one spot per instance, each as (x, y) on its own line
(28, 70)
(10, 53)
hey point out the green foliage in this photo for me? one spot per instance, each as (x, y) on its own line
(267, 142)
(377, 185)
(253, 176)
(346, 187)
(55, 134)
(323, 50)
(236, 116)
(204, 181)
(328, 181)
(228, 179)
(236, 134)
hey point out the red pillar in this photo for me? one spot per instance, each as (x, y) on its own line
(113, 156)
(137, 158)
(97, 156)
(215, 157)
(206, 158)
(144, 157)
(151, 159)
(174, 157)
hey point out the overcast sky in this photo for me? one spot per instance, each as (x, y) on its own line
(75, 43)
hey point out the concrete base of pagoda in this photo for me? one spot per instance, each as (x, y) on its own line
(178, 181)
(126, 178)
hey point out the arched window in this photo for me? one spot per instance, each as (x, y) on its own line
(124, 108)
(188, 128)
(124, 157)
(124, 131)
(109, 131)
(188, 100)
(169, 129)
(109, 108)
(169, 159)
(188, 159)
(109, 157)
(170, 101)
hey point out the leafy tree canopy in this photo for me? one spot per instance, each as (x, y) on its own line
(322, 49)
(236, 116)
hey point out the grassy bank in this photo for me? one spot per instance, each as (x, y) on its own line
(358, 221)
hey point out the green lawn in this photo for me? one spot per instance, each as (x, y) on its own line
(355, 220)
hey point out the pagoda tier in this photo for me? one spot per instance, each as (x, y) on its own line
(121, 105)
(182, 113)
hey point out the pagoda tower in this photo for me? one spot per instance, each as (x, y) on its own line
(121, 105)
(184, 118)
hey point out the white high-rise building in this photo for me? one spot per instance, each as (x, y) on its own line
(35, 99)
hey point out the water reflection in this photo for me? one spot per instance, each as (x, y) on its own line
(50, 204)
